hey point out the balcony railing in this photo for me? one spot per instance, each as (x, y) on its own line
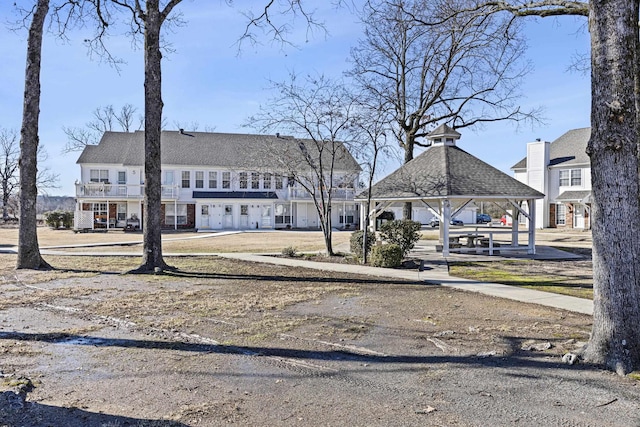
(101, 190)
(337, 194)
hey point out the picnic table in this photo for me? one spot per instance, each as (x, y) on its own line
(472, 239)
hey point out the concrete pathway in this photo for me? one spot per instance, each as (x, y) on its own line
(436, 276)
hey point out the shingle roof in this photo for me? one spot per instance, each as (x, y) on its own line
(225, 150)
(568, 149)
(446, 171)
(574, 196)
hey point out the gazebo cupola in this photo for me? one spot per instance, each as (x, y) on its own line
(443, 135)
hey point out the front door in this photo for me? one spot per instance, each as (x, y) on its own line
(227, 220)
(578, 216)
(244, 216)
(204, 216)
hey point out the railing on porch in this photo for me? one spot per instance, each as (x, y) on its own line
(101, 190)
(338, 194)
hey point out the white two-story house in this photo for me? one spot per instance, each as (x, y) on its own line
(211, 181)
(561, 170)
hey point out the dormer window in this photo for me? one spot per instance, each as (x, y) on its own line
(437, 140)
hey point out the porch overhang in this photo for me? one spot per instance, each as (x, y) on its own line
(574, 197)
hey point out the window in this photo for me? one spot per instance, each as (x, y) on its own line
(278, 182)
(122, 177)
(561, 214)
(266, 181)
(122, 184)
(564, 178)
(100, 214)
(168, 178)
(255, 180)
(199, 179)
(99, 175)
(570, 177)
(243, 180)
(213, 179)
(226, 179)
(204, 210)
(171, 212)
(122, 211)
(283, 214)
(186, 179)
(576, 177)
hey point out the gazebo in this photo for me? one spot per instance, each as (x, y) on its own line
(446, 179)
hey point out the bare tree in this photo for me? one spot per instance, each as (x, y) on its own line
(463, 71)
(146, 20)
(10, 171)
(104, 119)
(320, 112)
(371, 146)
(9, 156)
(28, 249)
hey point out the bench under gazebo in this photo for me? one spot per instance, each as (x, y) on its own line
(447, 179)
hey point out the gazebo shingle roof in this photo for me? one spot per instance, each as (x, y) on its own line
(446, 171)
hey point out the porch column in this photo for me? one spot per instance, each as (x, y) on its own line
(175, 214)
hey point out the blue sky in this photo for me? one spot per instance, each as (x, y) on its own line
(207, 81)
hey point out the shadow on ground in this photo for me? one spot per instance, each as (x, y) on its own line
(15, 412)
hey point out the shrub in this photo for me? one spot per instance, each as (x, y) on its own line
(404, 233)
(389, 256)
(289, 251)
(67, 219)
(356, 242)
(59, 219)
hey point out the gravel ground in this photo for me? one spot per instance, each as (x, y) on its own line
(263, 345)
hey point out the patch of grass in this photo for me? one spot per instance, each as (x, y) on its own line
(527, 274)
(634, 375)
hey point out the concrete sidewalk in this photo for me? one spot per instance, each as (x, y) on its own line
(437, 275)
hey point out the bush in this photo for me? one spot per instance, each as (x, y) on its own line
(356, 242)
(59, 219)
(389, 256)
(290, 251)
(404, 233)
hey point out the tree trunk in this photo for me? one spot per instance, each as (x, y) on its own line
(28, 249)
(152, 255)
(326, 227)
(409, 145)
(613, 148)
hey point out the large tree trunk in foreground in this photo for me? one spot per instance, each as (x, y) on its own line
(28, 250)
(613, 148)
(152, 256)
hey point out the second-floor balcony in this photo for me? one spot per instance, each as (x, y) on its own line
(105, 190)
(337, 194)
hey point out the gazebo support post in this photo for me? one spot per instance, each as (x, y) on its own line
(444, 225)
(531, 248)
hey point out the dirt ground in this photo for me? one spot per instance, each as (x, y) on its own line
(220, 343)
